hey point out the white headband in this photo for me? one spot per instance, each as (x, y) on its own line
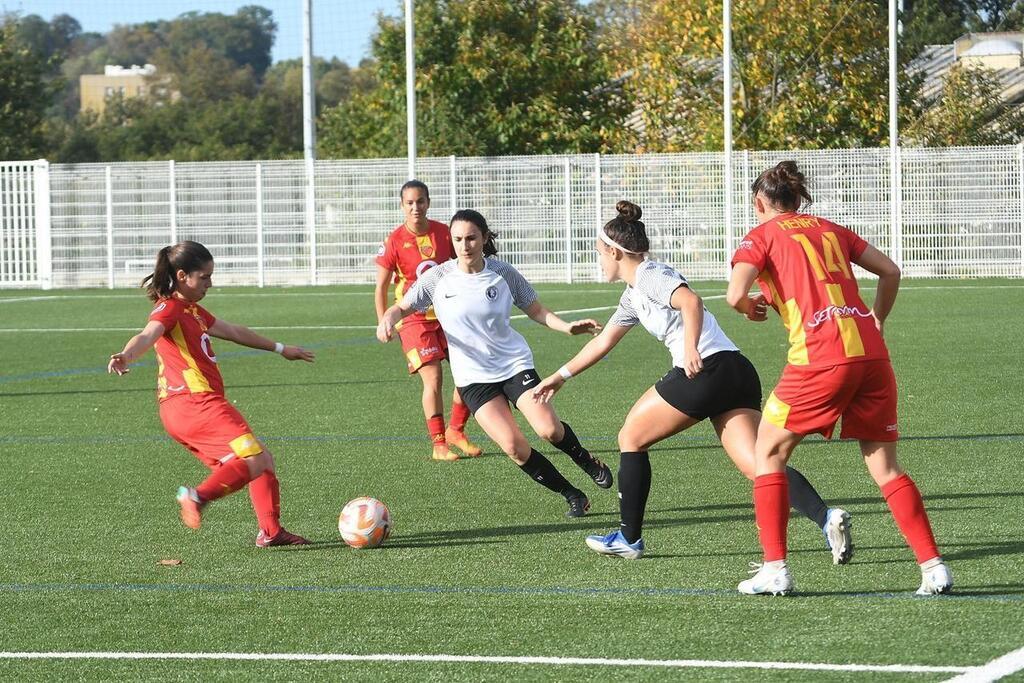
(603, 236)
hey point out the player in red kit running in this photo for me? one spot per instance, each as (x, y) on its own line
(412, 248)
(190, 390)
(838, 366)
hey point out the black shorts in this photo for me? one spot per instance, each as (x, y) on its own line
(476, 395)
(727, 382)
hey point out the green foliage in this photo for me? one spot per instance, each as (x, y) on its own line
(970, 111)
(493, 77)
(26, 91)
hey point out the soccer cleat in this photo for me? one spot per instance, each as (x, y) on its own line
(936, 580)
(616, 544)
(578, 504)
(282, 537)
(442, 453)
(462, 442)
(191, 507)
(599, 472)
(837, 535)
(768, 578)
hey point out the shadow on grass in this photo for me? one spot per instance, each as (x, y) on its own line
(230, 388)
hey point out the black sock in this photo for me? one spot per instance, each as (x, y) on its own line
(544, 473)
(634, 485)
(805, 499)
(570, 445)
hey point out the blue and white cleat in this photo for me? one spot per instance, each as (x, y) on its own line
(936, 580)
(769, 578)
(837, 535)
(616, 544)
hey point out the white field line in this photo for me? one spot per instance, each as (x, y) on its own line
(278, 293)
(475, 659)
(999, 667)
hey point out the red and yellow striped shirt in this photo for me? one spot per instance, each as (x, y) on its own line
(409, 255)
(185, 358)
(804, 270)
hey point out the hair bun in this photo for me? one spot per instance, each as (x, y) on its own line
(789, 172)
(628, 211)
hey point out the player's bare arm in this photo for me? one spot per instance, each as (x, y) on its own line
(593, 351)
(889, 276)
(240, 334)
(135, 347)
(738, 294)
(691, 307)
(542, 315)
(380, 290)
(386, 326)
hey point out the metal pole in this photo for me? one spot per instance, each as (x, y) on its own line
(568, 219)
(598, 200)
(894, 140)
(173, 199)
(727, 124)
(259, 225)
(1020, 200)
(410, 86)
(453, 180)
(110, 228)
(44, 243)
(309, 132)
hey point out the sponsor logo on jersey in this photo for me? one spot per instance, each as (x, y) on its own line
(381, 249)
(427, 350)
(407, 245)
(745, 244)
(830, 312)
(160, 307)
(890, 428)
(491, 293)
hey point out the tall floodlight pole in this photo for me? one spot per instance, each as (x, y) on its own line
(727, 124)
(309, 130)
(895, 228)
(410, 86)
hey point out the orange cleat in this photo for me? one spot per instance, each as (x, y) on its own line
(282, 537)
(462, 442)
(191, 508)
(441, 452)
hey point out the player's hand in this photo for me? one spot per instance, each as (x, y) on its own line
(586, 326)
(879, 324)
(758, 309)
(385, 330)
(298, 353)
(545, 391)
(692, 363)
(118, 364)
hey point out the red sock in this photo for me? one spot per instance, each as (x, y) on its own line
(225, 479)
(265, 493)
(908, 510)
(435, 427)
(460, 414)
(771, 510)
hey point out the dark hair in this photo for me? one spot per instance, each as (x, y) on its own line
(627, 229)
(414, 185)
(784, 186)
(474, 217)
(187, 256)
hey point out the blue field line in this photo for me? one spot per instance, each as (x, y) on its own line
(550, 591)
(102, 370)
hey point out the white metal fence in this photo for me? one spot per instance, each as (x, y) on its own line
(959, 213)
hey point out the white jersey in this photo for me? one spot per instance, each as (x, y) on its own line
(474, 310)
(648, 302)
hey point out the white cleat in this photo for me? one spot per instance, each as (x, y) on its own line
(837, 533)
(769, 578)
(936, 580)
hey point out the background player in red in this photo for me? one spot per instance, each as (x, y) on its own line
(412, 248)
(190, 390)
(838, 366)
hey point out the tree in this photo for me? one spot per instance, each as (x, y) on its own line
(26, 91)
(493, 77)
(970, 111)
(814, 75)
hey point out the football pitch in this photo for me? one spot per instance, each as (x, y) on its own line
(484, 578)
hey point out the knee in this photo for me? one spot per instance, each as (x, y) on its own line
(629, 441)
(552, 433)
(517, 449)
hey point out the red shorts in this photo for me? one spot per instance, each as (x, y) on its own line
(210, 427)
(423, 343)
(811, 400)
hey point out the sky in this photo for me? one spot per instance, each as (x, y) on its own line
(341, 28)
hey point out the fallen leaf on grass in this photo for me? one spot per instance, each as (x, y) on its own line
(169, 563)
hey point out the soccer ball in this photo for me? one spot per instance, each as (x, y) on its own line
(365, 523)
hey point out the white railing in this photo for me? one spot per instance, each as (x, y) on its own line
(101, 224)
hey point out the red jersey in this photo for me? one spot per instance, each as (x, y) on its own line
(187, 364)
(805, 272)
(409, 255)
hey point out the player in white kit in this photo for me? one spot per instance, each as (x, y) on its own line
(491, 363)
(710, 378)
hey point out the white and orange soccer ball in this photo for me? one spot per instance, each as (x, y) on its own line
(365, 522)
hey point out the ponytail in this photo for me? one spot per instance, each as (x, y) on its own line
(187, 256)
(784, 186)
